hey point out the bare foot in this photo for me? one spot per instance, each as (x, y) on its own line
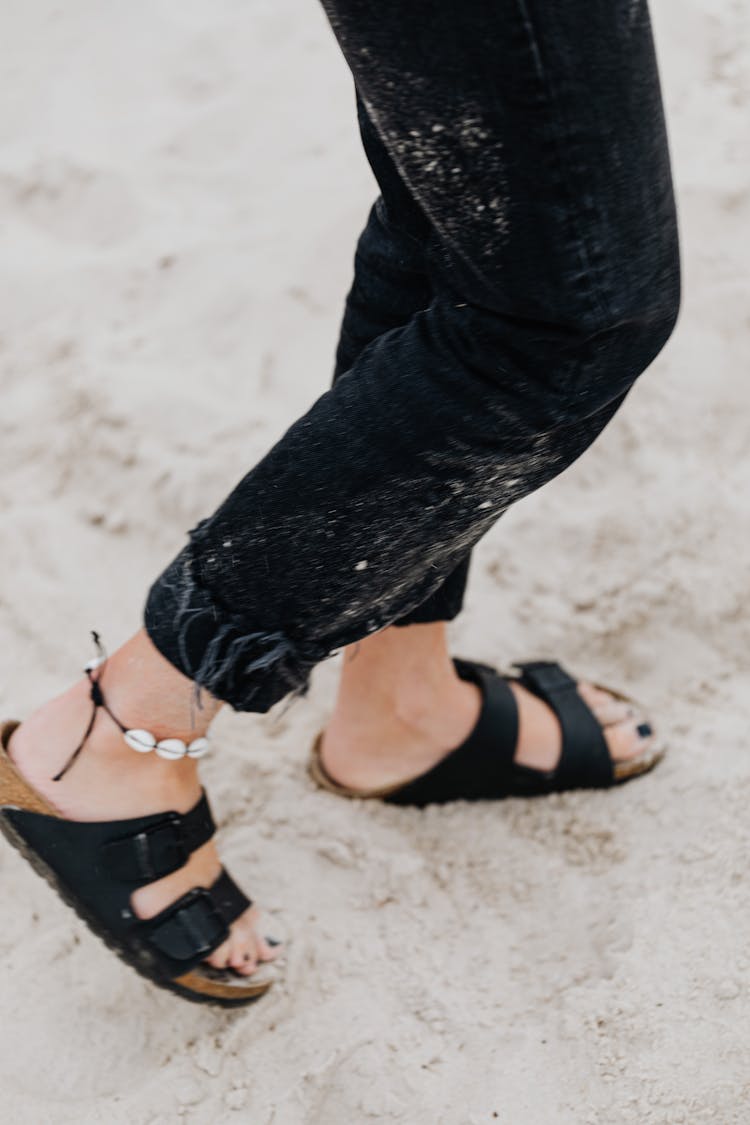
(110, 781)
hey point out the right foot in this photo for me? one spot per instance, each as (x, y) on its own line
(402, 708)
(110, 781)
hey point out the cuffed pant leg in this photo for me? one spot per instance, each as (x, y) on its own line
(533, 140)
(390, 285)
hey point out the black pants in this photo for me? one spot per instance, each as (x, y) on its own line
(518, 272)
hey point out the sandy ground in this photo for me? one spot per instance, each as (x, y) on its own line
(180, 189)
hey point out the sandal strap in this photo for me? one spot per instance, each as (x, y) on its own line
(495, 733)
(74, 856)
(157, 845)
(482, 766)
(585, 760)
(190, 929)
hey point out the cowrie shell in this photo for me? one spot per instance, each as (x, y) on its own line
(94, 663)
(198, 747)
(171, 749)
(140, 740)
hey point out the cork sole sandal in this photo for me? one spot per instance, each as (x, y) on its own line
(96, 866)
(483, 766)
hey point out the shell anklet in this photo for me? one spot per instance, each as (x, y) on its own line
(143, 741)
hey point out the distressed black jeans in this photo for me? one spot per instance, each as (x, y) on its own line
(518, 272)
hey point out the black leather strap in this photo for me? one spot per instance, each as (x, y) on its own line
(174, 941)
(230, 900)
(191, 928)
(585, 759)
(162, 844)
(482, 766)
(496, 731)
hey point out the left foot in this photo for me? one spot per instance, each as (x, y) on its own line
(110, 781)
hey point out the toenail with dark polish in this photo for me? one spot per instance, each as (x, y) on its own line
(645, 730)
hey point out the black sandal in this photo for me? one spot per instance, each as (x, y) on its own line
(96, 866)
(483, 766)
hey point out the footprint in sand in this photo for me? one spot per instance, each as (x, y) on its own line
(89, 206)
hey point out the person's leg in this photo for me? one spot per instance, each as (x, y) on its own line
(400, 702)
(545, 178)
(401, 705)
(554, 262)
(109, 781)
(391, 283)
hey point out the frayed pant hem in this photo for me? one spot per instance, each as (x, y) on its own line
(251, 669)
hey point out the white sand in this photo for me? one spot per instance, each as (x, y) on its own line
(180, 190)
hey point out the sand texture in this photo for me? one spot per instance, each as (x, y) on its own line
(181, 186)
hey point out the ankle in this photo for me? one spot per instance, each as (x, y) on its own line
(108, 779)
(439, 710)
(429, 706)
(401, 683)
(144, 691)
(381, 739)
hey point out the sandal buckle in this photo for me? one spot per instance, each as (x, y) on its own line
(175, 853)
(546, 675)
(201, 919)
(151, 853)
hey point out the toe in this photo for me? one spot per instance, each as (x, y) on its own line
(245, 951)
(240, 951)
(267, 952)
(220, 957)
(264, 950)
(607, 708)
(593, 695)
(244, 959)
(628, 739)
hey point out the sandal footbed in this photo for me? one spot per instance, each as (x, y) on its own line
(202, 984)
